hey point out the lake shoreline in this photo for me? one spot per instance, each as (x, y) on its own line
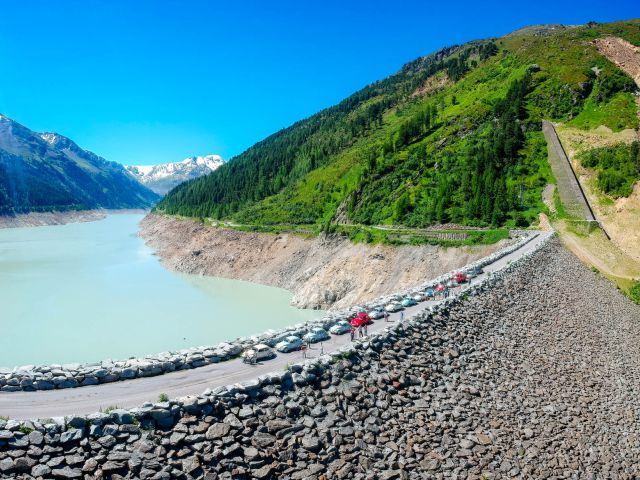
(88, 291)
(326, 272)
(43, 219)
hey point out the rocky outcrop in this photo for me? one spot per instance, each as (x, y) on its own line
(625, 55)
(323, 272)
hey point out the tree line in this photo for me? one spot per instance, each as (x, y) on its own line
(286, 156)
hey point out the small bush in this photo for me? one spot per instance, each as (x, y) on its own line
(163, 397)
(618, 168)
(521, 221)
(634, 292)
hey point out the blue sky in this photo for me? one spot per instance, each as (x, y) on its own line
(146, 82)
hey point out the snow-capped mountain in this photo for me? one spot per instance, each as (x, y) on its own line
(162, 178)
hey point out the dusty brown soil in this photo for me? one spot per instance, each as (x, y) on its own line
(595, 250)
(322, 272)
(624, 54)
(620, 217)
(582, 140)
(545, 223)
(547, 197)
(432, 84)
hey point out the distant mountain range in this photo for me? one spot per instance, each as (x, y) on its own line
(162, 178)
(49, 172)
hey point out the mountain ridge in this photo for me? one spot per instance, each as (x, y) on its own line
(161, 178)
(43, 172)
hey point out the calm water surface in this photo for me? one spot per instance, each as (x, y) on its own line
(85, 292)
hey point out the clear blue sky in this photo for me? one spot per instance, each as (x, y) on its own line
(146, 82)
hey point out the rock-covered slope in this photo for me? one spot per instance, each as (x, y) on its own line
(163, 177)
(322, 272)
(49, 172)
(533, 378)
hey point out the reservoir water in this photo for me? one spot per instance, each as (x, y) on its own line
(85, 292)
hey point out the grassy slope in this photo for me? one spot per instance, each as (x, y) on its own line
(564, 60)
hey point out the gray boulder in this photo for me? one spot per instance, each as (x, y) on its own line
(72, 435)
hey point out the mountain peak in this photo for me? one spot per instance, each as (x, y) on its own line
(163, 177)
(542, 30)
(49, 172)
(55, 139)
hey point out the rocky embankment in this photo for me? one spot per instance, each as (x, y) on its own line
(534, 376)
(41, 219)
(322, 272)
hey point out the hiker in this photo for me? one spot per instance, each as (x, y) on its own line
(353, 333)
(365, 330)
(386, 316)
(401, 316)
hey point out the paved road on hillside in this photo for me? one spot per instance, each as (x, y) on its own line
(131, 393)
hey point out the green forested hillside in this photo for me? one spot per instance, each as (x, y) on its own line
(452, 137)
(618, 167)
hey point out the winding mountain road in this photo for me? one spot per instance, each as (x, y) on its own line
(131, 393)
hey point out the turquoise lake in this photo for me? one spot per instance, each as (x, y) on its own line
(85, 292)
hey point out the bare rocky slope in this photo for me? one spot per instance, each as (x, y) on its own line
(321, 273)
(535, 377)
(40, 219)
